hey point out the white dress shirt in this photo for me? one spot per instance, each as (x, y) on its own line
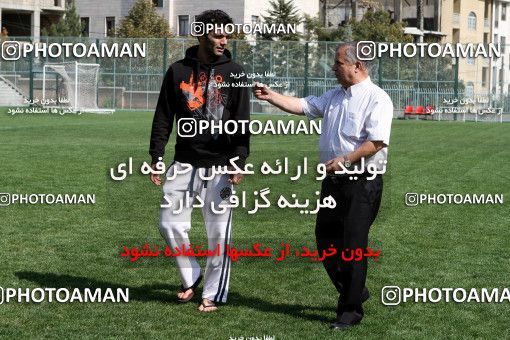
(363, 112)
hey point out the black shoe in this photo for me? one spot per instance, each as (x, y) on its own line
(346, 320)
(365, 295)
(341, 326)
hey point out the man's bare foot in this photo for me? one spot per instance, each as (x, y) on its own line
(207, 306)
(186, 295)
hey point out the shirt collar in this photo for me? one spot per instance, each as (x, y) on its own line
(356, 88)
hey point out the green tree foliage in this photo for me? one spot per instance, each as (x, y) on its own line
(143, 22)
(282, 12)
(377, 26)
(316, 31)
(69, 24)
(374, 26)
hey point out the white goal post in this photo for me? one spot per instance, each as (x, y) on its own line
(75, 85)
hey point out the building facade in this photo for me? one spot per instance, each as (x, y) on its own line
(26, 18)
(99, 16)
(468, 21)
(500, 84)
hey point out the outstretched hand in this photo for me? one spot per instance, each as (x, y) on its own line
(261, 91)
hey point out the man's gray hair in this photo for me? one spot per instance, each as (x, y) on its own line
(352, 50)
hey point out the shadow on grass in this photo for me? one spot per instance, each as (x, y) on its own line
(165, 293)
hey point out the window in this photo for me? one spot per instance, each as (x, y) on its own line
(484, 76)
(472, 21)
(496, 16)
(56, 3)
(456, 6)
(85, 27)
(455, 35)
(183, 24)
(110, 26)
(503, 12)
(254, 20)
(157, 3)
(469, 90)
(470, 60)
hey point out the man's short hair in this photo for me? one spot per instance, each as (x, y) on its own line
(215, 17)
(352, 50)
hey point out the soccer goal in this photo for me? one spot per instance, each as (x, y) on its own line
(489, 115)
(73, 85)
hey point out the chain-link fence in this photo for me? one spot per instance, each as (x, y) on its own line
(299, 68)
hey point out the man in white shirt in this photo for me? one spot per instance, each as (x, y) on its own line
(355, 132)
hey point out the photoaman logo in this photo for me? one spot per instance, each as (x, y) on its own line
(369, 50)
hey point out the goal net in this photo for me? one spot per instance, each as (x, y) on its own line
(73, 85)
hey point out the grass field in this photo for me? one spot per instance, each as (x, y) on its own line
(79, 245)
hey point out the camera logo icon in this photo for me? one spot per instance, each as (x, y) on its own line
(11, 50)
(5, 199)
(187, 127)
(411, 199)
(366, 50)
(391, 295)
(197, 29)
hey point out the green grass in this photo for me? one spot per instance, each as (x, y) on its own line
(79, 246)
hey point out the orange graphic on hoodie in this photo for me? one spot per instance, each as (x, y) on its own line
(193, 94)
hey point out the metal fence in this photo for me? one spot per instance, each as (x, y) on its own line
(305, 68)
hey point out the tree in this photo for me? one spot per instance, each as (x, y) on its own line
(284, 13)
(143, 21)
(315, 30)
(69, 24)
(377, 26)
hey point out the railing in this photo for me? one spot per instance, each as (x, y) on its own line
(134, 83)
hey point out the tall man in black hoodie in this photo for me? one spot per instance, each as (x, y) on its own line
(195, 89)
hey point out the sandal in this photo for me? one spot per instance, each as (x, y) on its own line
(205, 306)
(193, 288)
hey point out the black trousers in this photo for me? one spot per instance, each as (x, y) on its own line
(347, 226)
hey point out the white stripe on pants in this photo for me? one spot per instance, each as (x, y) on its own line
(175, 227)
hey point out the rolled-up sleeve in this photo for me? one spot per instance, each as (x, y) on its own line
(378, 124)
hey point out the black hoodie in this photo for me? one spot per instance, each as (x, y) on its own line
(190, 91)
